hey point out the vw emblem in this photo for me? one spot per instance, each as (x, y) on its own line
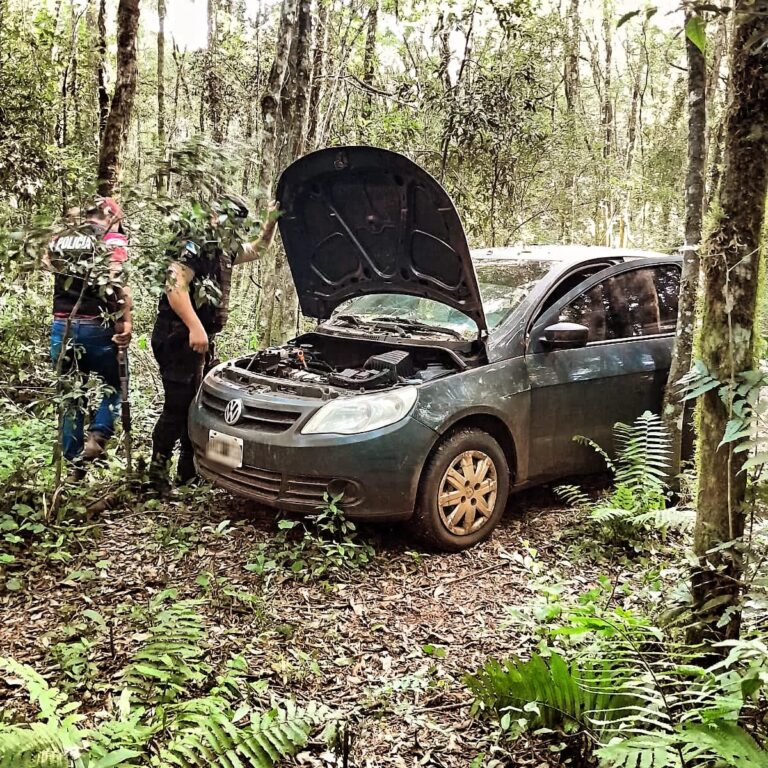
(233, 411)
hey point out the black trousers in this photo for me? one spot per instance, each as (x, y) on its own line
(181, 370)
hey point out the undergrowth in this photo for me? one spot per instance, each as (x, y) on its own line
(637, 505)
(317, 547)
(640, 697)
(167, 709)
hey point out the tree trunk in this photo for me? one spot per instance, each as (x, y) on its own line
(369, 61)
(212, 85)
(161, 137)
(271, 106)
(101, 54)
(673, 408)
(270, 101)
(303, 74)
(318, 72)
(607, 105)
(116, 126)
(573, 44)
(727, 338)
(296, 130)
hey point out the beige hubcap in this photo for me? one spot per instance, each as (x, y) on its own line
(467, 493)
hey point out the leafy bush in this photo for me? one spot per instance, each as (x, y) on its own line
(640, 698)
(319, 546)
(637, 505)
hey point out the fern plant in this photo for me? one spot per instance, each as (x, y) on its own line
(637, 504)
(221, 729)
(170, 661)
(33, 746)
(641, 699)
(210, 726)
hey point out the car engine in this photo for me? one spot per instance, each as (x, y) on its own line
(357, 370)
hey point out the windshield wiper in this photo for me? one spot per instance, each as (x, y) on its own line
(408, 322)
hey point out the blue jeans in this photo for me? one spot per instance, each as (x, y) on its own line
(90, 350)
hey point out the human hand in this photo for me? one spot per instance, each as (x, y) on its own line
(124, 332)
(198, 340)
(273, 207)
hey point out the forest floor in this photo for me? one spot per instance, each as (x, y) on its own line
(385, 647)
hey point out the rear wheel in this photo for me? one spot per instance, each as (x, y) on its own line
(463, 491)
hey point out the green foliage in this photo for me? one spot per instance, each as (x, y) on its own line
(319, 546)
(34, 746)
(549, 692)
(170, 660)
(637, 505)
(221, 728)
(210, 727)
(746, 409)
(640, 697)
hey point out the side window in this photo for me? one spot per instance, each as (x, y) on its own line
(641, 302)
(668, 289)
(571, 281)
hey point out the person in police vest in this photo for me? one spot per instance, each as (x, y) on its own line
(188, 319)
(92, 309)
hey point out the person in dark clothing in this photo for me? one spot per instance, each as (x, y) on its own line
(192, 311)
(86, 258)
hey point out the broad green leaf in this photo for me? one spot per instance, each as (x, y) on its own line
(696, 32)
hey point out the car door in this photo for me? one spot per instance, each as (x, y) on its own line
(630, 311)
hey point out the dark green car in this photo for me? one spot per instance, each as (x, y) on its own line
(437, 382)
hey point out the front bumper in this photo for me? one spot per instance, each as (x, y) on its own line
(377, 471)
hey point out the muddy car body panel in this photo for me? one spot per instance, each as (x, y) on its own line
(578, 339)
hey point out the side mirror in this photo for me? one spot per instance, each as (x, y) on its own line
(565, 336)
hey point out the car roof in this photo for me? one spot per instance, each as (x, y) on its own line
(563, 253)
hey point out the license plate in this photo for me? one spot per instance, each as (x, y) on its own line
(226, 450)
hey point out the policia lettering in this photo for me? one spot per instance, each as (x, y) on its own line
(192, 311)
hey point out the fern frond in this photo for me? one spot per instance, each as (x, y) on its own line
(581, 440)
(33, 746)
(49, 699)
(644, 451)
(205, 734)
(573, 496)
(171, 659)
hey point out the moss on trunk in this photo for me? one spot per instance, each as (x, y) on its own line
(727, 340)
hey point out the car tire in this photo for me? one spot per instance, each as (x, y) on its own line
(443, 508)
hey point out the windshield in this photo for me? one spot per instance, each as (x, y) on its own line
(504, 283)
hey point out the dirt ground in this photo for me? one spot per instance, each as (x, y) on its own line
(386, 648)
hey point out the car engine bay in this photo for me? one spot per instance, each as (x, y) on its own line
(351, 364)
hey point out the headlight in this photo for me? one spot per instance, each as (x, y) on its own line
(361, 413)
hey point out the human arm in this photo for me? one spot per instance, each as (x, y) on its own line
(118, 257)
(256, 248)
(124, 326)
(177, 289)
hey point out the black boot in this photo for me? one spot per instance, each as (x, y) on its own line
(186, 471)
(159, 480)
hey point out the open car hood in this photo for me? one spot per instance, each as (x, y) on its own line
(360, 220)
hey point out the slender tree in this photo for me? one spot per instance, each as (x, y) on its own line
(161, 138)
(116, 127)
(319, 57)
(727, 338)
(369, 58)
(270, 100)
(673, 409)
(101, 55)
(161, 135)
(571, 79)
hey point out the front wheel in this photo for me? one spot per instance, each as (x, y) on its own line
(463, 491)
